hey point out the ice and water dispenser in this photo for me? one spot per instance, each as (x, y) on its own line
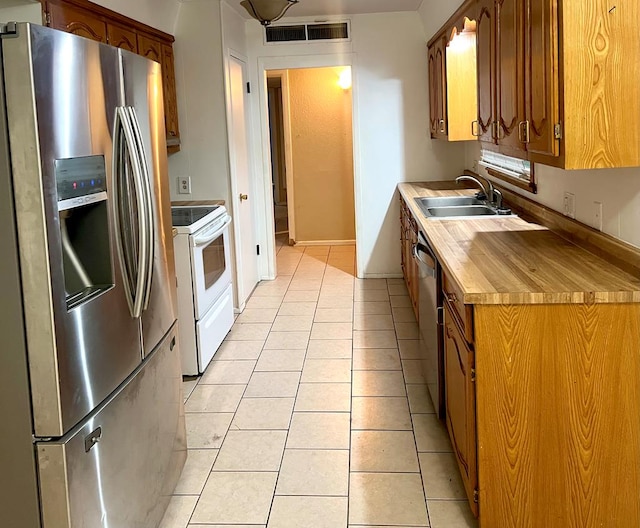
(84, 227)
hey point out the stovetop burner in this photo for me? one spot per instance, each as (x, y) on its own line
(185, 216)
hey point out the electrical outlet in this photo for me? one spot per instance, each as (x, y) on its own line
(475, 166)
(597, 215)
(570, 204)
(184, 185)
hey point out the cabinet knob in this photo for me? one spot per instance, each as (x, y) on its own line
(172, 133)
(244, 197)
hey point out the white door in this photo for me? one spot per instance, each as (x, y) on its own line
(241, 183)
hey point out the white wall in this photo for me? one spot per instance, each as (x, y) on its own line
(29, 12)
(204, 154)
(160, 14)
(391, 123)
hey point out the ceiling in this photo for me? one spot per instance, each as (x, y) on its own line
(319, 8)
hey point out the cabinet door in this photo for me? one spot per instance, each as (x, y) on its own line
(510, 74)
(170, 97)
(121, 37)
(441, 89)
(150, 48)
(433, 89)
(77, 21)
(460, 400)
(542, 76)
(486, 43)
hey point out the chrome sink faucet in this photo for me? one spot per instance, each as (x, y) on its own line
(488, 190)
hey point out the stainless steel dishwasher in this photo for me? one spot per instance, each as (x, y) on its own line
(431, 320)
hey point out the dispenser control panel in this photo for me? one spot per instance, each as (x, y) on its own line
(78, 177)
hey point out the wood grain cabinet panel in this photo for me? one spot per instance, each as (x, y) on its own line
(452, 77)
(510, 97)
(541, 52)
(437, 88)
(170, 97)
(558, 415)
(486, 59)
(460, 400)
(121, 37)
(408, 239)
(150, 48)
(77, 21)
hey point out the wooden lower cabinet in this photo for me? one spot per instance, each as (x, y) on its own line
(408, 240)
(558, 415)
(543, 412)
(460, 397)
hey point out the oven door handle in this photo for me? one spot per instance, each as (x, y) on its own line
(209, 235)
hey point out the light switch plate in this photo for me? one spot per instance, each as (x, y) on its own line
(184, 185)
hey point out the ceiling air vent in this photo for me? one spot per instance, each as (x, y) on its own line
(328, 31)
(285, 33)
(307, 32)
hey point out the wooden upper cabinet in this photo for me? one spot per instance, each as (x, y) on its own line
(541, 53)
(150, 48)
(453, 97)
(600, 80)
(170, 97)
(121, 37)
(486, 60)
(510, 95)
(77, 21)
(433, 88)
(440, 89)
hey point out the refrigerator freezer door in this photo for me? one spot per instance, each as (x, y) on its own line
(62, 92)
(118, 469)
(143, 92)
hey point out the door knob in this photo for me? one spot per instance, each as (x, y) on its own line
(244, 197)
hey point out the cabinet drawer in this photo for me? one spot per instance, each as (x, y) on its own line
(463, 313)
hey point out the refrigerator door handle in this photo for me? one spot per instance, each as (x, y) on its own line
(148, 198)
(135, 277)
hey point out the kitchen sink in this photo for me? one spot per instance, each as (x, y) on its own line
(458, 207)
(463, 210)
(447, 201)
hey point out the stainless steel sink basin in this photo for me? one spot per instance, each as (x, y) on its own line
(465, 210)
(447, 201)
(458, 207)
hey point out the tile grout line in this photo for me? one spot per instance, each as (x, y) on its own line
(284, 450)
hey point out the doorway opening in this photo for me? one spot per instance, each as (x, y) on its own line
(312, 156)
(279, 130)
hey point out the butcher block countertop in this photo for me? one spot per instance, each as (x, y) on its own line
(507, 260)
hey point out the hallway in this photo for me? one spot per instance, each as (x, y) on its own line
(314, 413)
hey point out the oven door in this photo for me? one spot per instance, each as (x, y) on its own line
(210, 264)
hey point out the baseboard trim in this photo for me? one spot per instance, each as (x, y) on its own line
(383, 276)
(325, 243)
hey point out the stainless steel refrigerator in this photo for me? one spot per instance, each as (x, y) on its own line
(91, 415)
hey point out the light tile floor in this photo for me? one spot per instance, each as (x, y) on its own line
(314, 413)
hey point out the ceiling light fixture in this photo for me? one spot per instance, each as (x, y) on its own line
(267, 11)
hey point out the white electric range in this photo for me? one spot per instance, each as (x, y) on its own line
(205, 293)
